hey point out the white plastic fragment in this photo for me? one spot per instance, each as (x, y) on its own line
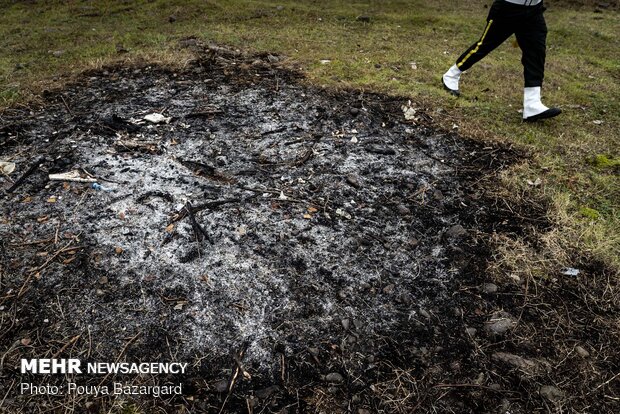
(7, 167)
(570, 271)
(72, 176)
(156, 118)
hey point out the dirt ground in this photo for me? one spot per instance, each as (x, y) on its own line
(304, 250)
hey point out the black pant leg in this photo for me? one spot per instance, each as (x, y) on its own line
(532, 38)
(497, 30)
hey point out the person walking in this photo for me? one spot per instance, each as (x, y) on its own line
(524, 19)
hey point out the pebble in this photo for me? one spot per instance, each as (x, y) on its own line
(582, 352)
(363, 411)
(353, 181)
(389, 289)
(425, 313)
(403, 210)
(345, 323)
(267, 392)
(456, 231)
(471, 331)
(354, 111)
(334, 377)
(221, 386)
(489, 288)
(500, 323)
(551, 393)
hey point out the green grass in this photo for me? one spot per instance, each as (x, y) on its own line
(576, 157)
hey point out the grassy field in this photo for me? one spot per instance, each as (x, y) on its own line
(402, 48)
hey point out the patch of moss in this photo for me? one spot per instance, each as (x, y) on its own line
(604, 162)
(589, 213)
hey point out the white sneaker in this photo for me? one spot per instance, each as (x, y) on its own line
(533, 108)
(450, 80)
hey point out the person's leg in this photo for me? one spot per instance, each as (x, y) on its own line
(496, 31)
(532, 37)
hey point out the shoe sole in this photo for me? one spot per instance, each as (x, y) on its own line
(452, 91)
(549, 113)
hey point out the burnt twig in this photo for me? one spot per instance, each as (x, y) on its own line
(27, 174)
(238, 368)
(198, 230)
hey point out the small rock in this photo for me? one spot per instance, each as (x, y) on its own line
(389, 289)
(103, 280)
(363, 411)
(438, 195)
(516, 361)
(354, 111)
(221, 386)
(471, 331)
(413, 242)
(403, 210)
(346, 323)
(273, 59)
(279, 8)
(334, 377)
(58, 53)
(221, 160)
(456, 231)
(551, 393)
(424, 312)
(267, 392)
(500, 323)
(582, 352)
(489, 288)
(353, 181)
(314, 351)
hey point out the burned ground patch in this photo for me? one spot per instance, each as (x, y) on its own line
(304, 250)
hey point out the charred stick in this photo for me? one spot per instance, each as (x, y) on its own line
(27, 174)
(198, 230)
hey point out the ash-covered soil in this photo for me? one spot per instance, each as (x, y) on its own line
(304, 250)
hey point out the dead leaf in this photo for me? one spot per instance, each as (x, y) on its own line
(170, 228)
(312, 210)
(26, 341)
(42, 219)
(27, 199)
(118, 250)
(307, 216)
(52, 199)
(67, 261)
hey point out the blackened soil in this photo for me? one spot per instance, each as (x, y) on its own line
(304, 250)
